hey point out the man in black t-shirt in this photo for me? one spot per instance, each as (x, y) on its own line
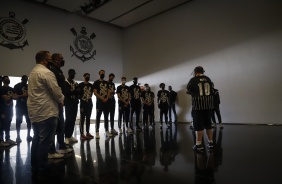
(147, 98)
(171, 104)
(21, 108)
(71, 106)
(163, 104)
(123, 93)
(135, 102)
(102, 93)
(6, 111)
(200, 88)
(112, 103)
(85, 89)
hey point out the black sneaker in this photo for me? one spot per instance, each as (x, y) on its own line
(198, 147)
(210, 145)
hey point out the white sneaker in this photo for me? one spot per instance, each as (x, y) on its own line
(55, 155)
(97, 135)
(4, 144)
(11, 142)
(108, 134)
(74, 140)
(120, 131)
(67, 141)
(150, 127)
(114, 132)
(64, 151)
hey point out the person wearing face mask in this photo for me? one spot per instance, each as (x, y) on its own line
(7, 95)
(135, 102)
(102, 93)
(85, 89)
(112, 103)
(21, 108)
(123, 93)
(163, 104)
(71, 106)
(55, 66)
(147, 98)
(44, 95)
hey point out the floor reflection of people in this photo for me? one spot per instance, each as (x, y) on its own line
(6, 172)
(165, 151)
(22, 170)
(87, 167)
(204, 167)
(218, 151)
(72, 170)
(107, 167)
(125, 147)
(137, 157)
(149, 154)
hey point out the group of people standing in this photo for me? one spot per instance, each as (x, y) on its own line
(48, 94)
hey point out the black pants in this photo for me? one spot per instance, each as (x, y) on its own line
(85, 114)
(6, 119)
(112, 108)
(135, 108)
(148, 113)
(172, 107)
(21, 110)
(217, 112)
(163, 113)
(102, 108)
(70, 114)
(124, 112)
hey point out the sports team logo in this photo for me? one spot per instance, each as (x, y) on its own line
(12, 32)
(82, 45)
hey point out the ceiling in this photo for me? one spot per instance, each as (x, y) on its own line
(121, 13)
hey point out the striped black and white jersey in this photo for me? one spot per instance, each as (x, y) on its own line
(200, 88)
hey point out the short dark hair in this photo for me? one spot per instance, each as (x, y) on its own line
(199, 69)
(41, 56)
(55, 56)
(86, 74)
(135, 78)
(101, 71)
(161, 84)
(112, 75)
(123, 78)
(71, 71)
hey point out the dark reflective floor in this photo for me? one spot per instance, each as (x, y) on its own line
(244, 154)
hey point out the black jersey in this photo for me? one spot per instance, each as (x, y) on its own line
(72, 92)
(59, 76)
(172, 97)
(86, 91)
(21, 89)
(163, 97)
(102, 88)
(135, 93)
(123, 92)
(148, 97)
(216, 98)
(200, 88)
(112, 88)
(9, 91)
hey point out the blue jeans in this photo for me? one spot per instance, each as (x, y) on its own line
(44, 136)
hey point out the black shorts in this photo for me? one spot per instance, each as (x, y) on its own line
(202, 119)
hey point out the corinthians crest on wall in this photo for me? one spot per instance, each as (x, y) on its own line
(12, 32)
(83, 47)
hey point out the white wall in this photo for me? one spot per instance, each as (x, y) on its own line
(49, 29)
(237, 42)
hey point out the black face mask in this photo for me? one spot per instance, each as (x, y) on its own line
(135, 82)
(111, 80)
(102, 76)
(87, 78)
(71, 76)
(6, 81)
(62, 62)
(24, 81)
